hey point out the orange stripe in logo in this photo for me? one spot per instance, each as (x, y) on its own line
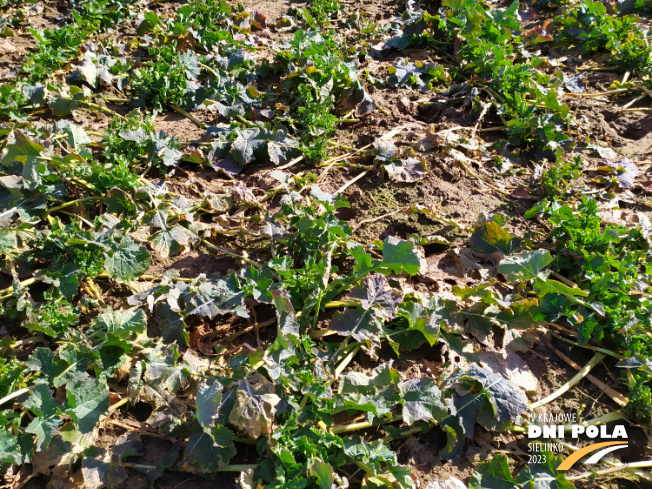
(570, 461)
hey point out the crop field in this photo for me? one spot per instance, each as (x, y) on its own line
(327, 244)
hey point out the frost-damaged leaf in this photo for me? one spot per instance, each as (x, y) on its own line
(359, 323)
(479, 322)
(539, 475)
(384, 150)
(490, 237)
(449, 483)
(357, 99)
(246, 145)
(162, 372)
(625, 170)
(209, 398)
(128, 261)
(226, 165)
(431, 317)
(288, 325)
(65, 105)
(20, 150)
(77, 137)
(375, 393)
(209, 451)
(86, 71)
(323, 474)
(154, 469)
(505, 401)
(128, 445)
(172, 240)
(190, 62)
(408, 170)
(524, 266)
(366, 105)
(375, 291)
(575, 84)
(400, 256)
(171, 325)
(213, 298)
(122, 323)
(381, 378)
(170, 415)
(62, 452)
(135, 135)
(422, 400)
(47, 412)
(253, 411)
(376, 455)
(104, 468)
(88, 400)
(9, 449)
(280, 146)
(36, 94)
(494, 474)
(405, 73)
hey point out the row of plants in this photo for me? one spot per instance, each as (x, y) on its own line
(80, 220)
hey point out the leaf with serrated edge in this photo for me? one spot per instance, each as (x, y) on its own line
(128, 261)
(122, 323)
(209, 398)
(375, 291)
(88, 400)
(400, 256)
(525, 265)
(422, 400)
(47, 420)
(358, 323)
(208, 452)
(253, 412)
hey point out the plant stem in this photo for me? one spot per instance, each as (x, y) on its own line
(101, 108)
(291, 163)
(245, 121)
(246, 441)
(616, 396)
(119, 404)
(363, 425)
(617, 468)
(633, 101)
(231, 254)
(336, 304)
(9, 291)
(210, 70)
(589, 347)
(605, 418)
(563, 279)
(599, 94)
(15, 394)
(351, 182)
(597, 358)
(345, 362)
(117, 100)
(73, 202)
(227, 252)
(189, 116)
(338, 370)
